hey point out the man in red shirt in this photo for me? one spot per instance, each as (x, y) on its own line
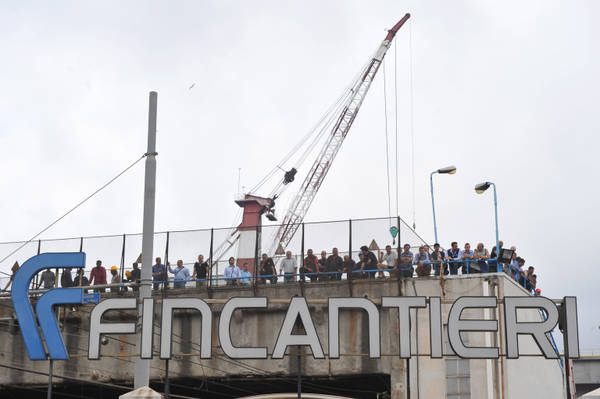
(98, 276)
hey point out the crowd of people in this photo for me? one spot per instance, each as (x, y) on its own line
(397, 263)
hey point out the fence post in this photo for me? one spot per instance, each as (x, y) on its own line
(35, 283)
(256, 244)
(302, 278)
(166, 277)
(211, 258)
(122, 271)
(82, 274)
(350, 238)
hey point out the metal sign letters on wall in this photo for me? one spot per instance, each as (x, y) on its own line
(565, 313)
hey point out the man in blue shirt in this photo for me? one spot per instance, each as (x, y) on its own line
(182, 274)
(159, 274)
(232, 272)
(245, 275)
(405, 263)
(453, 257)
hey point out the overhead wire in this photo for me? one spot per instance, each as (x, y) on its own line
(71, 210)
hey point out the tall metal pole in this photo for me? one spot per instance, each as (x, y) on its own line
(142, 366)
(50, 372)
(433, 205)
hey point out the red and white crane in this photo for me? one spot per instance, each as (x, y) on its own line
(341, 118)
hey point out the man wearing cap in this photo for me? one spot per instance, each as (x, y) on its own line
(98, 276)
(115, 279)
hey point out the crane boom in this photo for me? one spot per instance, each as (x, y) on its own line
(301, 203)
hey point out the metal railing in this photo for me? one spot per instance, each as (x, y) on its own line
(125, 249)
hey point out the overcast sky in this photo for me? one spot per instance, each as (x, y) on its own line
(506, 91)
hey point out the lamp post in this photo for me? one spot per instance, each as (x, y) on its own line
(450, 170)
(480, 189)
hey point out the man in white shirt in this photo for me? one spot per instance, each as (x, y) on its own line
(232, 272)
(389, 257)
(288, 267)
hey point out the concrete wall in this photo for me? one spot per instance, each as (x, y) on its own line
(253, 327)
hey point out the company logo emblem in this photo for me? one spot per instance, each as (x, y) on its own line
(44, 307)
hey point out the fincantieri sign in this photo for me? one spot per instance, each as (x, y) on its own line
(564, 313)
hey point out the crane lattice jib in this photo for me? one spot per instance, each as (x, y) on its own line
(301, 203)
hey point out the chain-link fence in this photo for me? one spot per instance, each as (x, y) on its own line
(217, 246)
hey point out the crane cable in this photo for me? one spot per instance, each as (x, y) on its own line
(387, 147)
(412, 124)
(327, 118)
(396, 122)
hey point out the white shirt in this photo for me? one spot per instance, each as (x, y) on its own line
(288, 265)
(390, 259)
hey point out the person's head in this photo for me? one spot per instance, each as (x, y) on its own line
(388, 249)
(113, 270)
(265, 256)
(158, 261)
(514, 255)
(48, 270)
(135, 265)
(309, 252)
(500, 243)
(361, 255)
(200, 258)
(480, 246)
(521, 261)
(534, 278)
(426, 247)
(530, 269)
(334, 251)
(231, 261)
(406, 247)
(364, 249)
(245, 266)
(288, 254)
(436, 247)
(421, 250)
(346, 258)
(454, 245)
(467, 247)
(79, 271)
(513, 248)
(98, 263)
(179, 263)
(323, 254)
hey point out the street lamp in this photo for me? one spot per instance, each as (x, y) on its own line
(480, 189)
(450, 170)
